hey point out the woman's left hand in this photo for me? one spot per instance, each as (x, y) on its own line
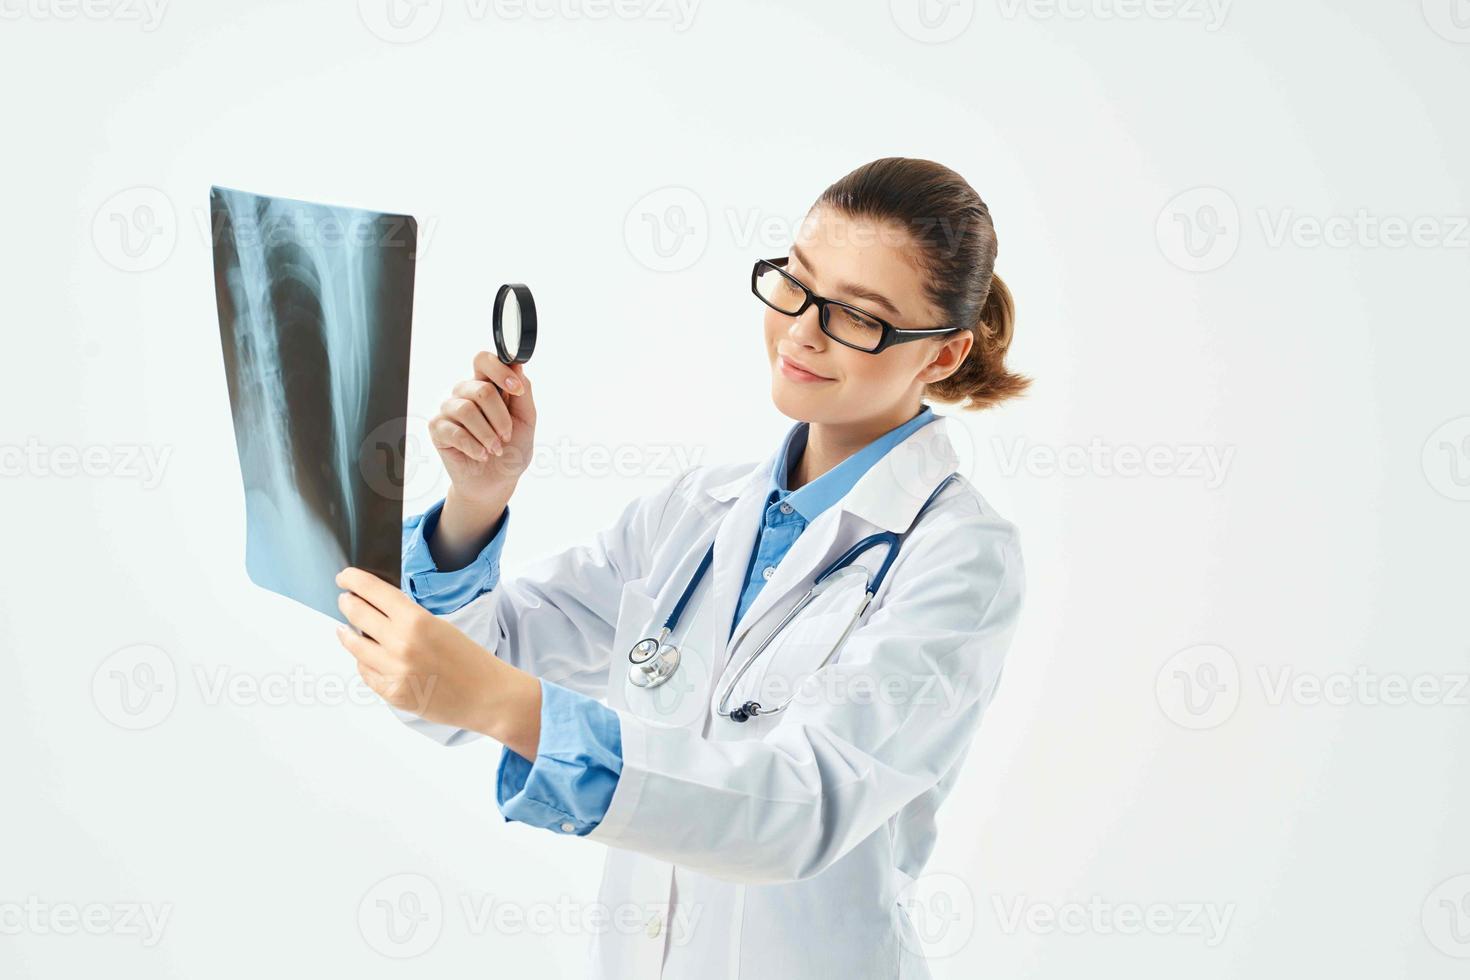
(418, 662)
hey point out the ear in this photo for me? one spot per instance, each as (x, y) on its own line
(948, 357)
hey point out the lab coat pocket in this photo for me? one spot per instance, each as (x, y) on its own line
(791, 664)
(676, 702)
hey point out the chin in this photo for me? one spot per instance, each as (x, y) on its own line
(794, 403)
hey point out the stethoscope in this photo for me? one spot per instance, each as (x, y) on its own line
(655, 659)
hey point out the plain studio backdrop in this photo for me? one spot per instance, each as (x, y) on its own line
(1231, 736)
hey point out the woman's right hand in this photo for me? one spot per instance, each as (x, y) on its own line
(485, 431)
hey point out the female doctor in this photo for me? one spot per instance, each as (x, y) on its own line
(777, 844)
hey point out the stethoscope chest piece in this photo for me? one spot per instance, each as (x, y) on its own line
(653, 662)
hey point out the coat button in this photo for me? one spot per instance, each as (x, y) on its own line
(785, 508)
(567, 827)
(655, 926)
(767, 572)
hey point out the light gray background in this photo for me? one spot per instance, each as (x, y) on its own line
(1237, 230)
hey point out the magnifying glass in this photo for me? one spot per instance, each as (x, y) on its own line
(514, 320)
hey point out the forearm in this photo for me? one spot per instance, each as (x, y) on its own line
(511, 709)
(465, 526)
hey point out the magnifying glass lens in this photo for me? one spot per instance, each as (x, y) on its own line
(514, 321)
(510, 322)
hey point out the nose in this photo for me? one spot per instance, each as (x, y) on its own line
(807, 328)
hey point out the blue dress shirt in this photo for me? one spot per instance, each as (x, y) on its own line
(580, 753)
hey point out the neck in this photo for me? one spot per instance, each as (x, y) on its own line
(829, 443)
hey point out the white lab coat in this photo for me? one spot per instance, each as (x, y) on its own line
(776, 848)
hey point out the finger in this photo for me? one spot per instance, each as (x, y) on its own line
(505, 376)
(446, 433)
(364, 650)
(364, 616)
(523, 407)
(490, 403)
(389, 599)
(468, 414)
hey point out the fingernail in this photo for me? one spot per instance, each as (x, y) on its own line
(513, 383)
(483, 454)
(499, 451)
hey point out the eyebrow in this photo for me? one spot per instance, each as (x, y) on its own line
(851, 288)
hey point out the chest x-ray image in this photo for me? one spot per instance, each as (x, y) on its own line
(315, 308)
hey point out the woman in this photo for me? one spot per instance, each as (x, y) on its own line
(776, 845)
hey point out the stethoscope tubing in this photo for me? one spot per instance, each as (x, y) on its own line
(751, 708)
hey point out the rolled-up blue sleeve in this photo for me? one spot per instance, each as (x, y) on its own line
(444, 592)
(578, 761)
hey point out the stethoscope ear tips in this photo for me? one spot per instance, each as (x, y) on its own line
(746, 711)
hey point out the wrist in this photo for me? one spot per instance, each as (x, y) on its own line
(511, 712)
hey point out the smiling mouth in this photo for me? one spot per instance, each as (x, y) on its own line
(797, 373)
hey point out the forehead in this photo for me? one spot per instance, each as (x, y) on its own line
(843, 250)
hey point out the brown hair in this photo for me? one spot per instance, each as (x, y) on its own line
(949, 225)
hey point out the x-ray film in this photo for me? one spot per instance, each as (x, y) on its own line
(315, 308)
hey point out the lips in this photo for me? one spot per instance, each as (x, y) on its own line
(793, 363)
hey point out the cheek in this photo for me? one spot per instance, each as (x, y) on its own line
(774, 325)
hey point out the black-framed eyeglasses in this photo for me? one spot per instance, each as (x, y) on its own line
(847, 325)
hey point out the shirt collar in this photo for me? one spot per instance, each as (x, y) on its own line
(821, 493)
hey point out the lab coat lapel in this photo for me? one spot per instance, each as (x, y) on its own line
(887, 497)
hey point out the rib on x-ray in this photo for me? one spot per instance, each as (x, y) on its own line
(315, 307)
